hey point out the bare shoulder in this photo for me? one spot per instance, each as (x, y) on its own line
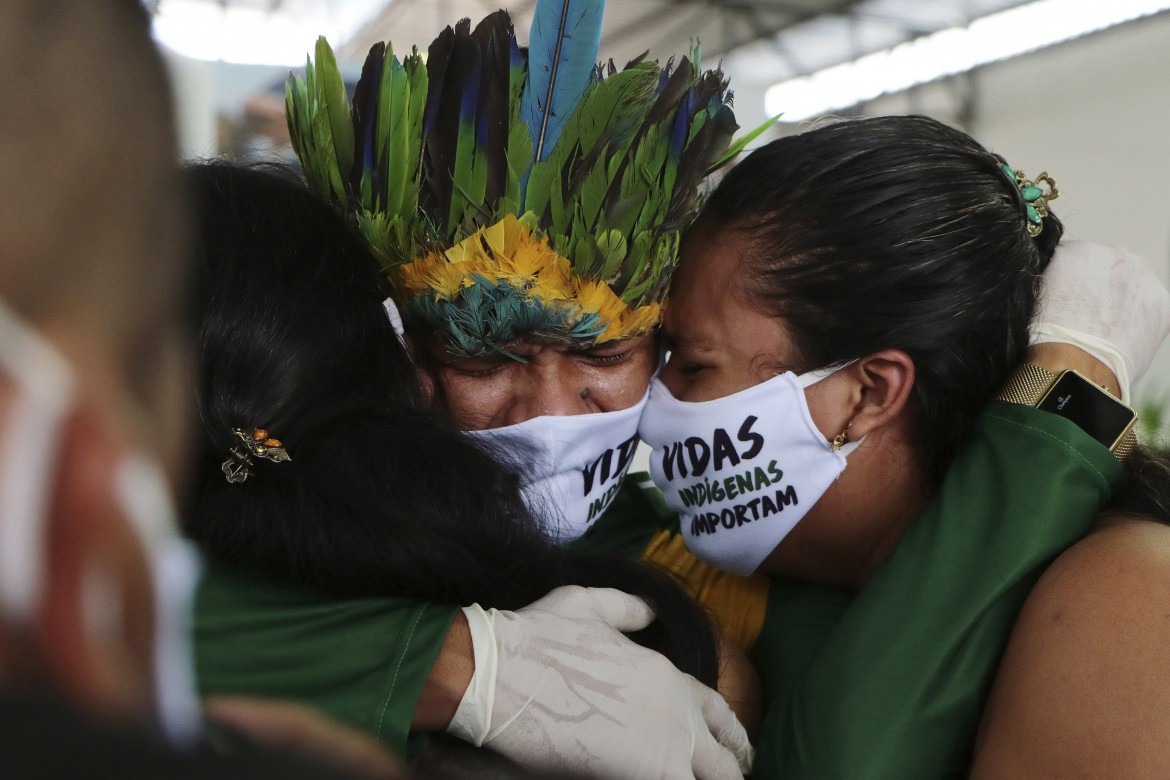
(1082, 691)
(1117, 557)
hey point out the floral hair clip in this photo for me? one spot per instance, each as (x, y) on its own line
(1035, 198)
(238, 466)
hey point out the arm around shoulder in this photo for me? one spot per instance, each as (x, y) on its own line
(447, 680)
(1081, 690)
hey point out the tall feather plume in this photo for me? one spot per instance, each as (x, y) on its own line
(366, 176)
(519, 152)
(440, 130)
(469, 124)
(624, 175)
(496, 40)
(366, 161)
(319, 122)
(468, 172)
(562, 50)
(606, 164)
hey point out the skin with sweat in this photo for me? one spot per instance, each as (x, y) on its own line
(494, 390)
(721, 342)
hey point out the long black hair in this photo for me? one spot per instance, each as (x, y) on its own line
(1144, 487)
(379, 497)
(892, 232)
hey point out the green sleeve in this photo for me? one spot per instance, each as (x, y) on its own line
(894, 684)
(362, 661)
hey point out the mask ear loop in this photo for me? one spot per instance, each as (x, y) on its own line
(145, 500)
(841, 442)
(395, 317)
(29, 450)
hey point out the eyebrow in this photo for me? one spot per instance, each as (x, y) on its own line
(676, 341)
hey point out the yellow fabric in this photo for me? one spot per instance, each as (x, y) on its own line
(735, 603)
(510, 251)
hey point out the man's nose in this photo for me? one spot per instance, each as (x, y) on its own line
(546, 391)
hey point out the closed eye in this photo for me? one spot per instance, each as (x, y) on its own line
(606, 360)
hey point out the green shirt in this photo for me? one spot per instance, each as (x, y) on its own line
(362, 661)
(891, 683)
(887, 684)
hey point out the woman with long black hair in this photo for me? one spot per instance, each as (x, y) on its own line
(346, 527)
(848, 305)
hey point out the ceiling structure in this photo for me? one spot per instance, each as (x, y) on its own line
(758, 41)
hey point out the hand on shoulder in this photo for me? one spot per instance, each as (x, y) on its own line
(1081, 690)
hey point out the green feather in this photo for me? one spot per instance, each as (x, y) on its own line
(613, 248)
(519, 156)
(520, 151)
(636, 258)
(607, 115)
(417, 83)
(586, 255)
(335, 105)
(591, 197)
(739, 144)
(389, 121)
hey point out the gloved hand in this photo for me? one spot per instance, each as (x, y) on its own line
(558, 688)
(1107, 301)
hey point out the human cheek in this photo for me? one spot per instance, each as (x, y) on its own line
(472, 401)
(612, 388)
(821, 408)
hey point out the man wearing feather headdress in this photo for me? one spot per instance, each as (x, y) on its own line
(527, 206)
(528, 211)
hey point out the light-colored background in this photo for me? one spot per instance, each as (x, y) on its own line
(1094, 112)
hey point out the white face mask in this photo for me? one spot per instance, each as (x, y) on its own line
(30, 438)
(741, 471)
(570, 466)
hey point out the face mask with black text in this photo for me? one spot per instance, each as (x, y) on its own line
(741, 471)
(570, 466)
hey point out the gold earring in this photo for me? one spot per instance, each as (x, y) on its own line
(842, 438)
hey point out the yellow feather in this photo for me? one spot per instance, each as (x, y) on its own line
(512, 251)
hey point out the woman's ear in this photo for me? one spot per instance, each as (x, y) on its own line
(883, 382)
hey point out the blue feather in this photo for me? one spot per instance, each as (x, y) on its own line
(562, 52)
(682, 124)
(364, 177)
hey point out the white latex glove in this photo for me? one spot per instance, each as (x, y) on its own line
(558, 688)
(1107, 301)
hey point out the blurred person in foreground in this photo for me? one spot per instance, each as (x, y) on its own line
(94, 582)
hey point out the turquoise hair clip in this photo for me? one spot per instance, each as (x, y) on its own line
(1034, 195)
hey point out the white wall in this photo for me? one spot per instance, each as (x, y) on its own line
(1095, 113)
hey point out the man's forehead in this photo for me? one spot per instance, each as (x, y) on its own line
(532, 343)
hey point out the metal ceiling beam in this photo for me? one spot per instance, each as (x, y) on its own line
(758, 28)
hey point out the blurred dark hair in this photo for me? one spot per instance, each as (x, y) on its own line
(379, 497)
(892, 232)
(1144, 487)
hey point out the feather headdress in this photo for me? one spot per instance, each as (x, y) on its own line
(515, 192)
